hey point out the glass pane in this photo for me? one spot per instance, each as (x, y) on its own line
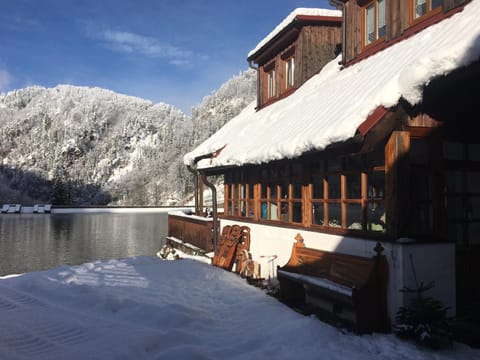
(454, 208)
(354, 188)
(243, 191)
(317, 187)
(455, 232)
(376, 217)
(354, 216)
(317, 209)
(473, 182)
(229, 208)
(243, 208)
(420, 181)
(453, 151)
(263, 191)
(420, 8)
(474, 152)
(235, 208)
(250, 190)
(334, 215)
(370, 24)
(284, 189)
(250, 209)
(297, 189)
(474, 207)
(382, 27)
(418, 152)
(376, 185)
(474, 233)
(234, 192)
(273, 211)
(297, 212)
(273, 191)
(334, 188)
(454, 181)
(264, 213)
(421, 218)
(284, 212)
(436, 3)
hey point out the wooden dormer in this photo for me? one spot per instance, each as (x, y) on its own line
(295, 51)
(373, 25)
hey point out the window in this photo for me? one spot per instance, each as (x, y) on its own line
(374, 23)
(422, 7)
(341, 194)
(271, 84)
(239, 194)
(349, 194)
(290, 72)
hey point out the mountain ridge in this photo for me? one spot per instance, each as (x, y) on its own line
(73, 145)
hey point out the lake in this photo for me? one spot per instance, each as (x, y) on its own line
(32, 242)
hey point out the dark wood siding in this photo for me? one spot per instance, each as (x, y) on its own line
(316, 47)
(399, 24)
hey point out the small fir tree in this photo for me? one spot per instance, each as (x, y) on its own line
(424, 319)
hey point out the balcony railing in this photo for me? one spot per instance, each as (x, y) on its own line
(192, 229)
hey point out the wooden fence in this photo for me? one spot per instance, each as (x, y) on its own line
(194, 230)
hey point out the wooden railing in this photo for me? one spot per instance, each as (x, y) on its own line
(195, 230)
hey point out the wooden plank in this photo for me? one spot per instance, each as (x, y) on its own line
(397, 169)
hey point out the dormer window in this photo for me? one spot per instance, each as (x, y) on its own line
(290, 72)
(271, 84)
(424, 7)
(374, 21)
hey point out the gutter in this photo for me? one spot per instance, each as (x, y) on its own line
(251, 66)
(196, 173)
(339, 4)
(214, 209)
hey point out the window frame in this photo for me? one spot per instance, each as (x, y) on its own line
(284, 193)
(290, 72)
(376, 28)
(428, 13)
(271, 83)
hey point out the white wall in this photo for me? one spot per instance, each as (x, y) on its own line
(431, 261)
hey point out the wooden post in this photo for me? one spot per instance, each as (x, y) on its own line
(397, 178)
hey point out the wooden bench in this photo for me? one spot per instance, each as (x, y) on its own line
(343, 287)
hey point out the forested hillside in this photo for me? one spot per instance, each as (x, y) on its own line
(72, 145)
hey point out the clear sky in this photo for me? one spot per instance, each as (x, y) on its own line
(173, 51)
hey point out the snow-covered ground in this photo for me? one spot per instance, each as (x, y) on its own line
(149, 308)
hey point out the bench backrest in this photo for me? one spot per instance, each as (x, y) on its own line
(348, 270)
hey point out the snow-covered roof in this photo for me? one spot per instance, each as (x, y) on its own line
(332, 104)
(290, 19)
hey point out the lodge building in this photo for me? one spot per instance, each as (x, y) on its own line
(363, 132)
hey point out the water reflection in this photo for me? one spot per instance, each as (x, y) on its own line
(31, 242)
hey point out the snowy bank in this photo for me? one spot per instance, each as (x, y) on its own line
(148, 308)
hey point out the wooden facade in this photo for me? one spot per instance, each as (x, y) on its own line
(409, 178)
(400, 20)
(411, 171)
(311, 41)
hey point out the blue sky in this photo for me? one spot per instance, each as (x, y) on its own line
(173, 51)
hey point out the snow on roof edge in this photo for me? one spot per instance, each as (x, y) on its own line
(319, 108)
(289, 19)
